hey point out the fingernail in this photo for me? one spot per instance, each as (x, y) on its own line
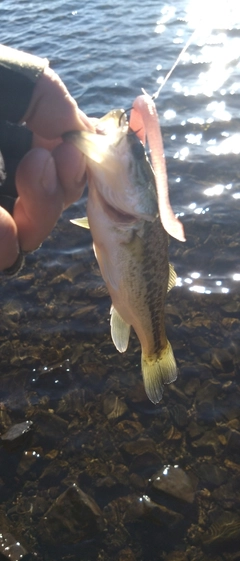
(49, 177)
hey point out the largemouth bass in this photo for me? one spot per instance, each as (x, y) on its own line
(130, 242)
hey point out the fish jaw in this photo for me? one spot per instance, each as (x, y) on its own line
(120, 169)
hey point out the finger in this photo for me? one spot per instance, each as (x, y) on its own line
(71, 170)
(9, 248)
(52, 110)
(40, 200)
(40, 142)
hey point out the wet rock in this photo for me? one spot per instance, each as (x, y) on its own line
(232, 465)
(194, 430)
(233, 441)
(143, 456)
(72, 518)
(206, 400)
(11, 549)
(113, 407)
(27, 461)
(172, 480)
(211, 475)
(199, 343)
(177, 556)
(173, 434)
(124, 510)
(232, 308)
(192, 387)
(54, 472)
(209, 389)
(145, 464)
(137, 481)
(127, 555)
(208, 444)
(113, 484)
(228, 494)
(138, 447)
(73, 401)
(222, 360)
(231, 323)
(173, 312)
(160, 514)
(180, 415)
(5, 420)
(39, 506)
(128, 429)
(50, 428)
(17, 436)
(224, 532)
(230, 405)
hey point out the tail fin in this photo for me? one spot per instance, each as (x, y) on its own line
(157, 372)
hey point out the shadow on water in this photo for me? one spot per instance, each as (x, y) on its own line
(89, 468)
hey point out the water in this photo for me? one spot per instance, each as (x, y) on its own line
(57, 310)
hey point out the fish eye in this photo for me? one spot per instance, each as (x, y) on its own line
(138, 150)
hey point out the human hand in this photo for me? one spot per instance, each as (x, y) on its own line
(51, 176)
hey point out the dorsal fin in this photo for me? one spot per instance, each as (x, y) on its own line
(172, 277)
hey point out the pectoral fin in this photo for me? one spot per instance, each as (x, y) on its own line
(120, 331)
(83, 222)
(172, 279)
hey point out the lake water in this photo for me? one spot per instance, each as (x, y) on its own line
(92, 425)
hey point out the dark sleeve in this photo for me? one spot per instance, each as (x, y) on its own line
(19, 72)
(15, 142)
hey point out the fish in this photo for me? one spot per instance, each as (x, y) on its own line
(126, 214)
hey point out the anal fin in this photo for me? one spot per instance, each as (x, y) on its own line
(82, 222)
(120, 331)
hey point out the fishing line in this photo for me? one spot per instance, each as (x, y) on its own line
(156, 94)
(125, 112)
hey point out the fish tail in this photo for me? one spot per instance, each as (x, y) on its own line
(157, 372)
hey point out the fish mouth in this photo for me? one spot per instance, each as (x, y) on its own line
(117, 215)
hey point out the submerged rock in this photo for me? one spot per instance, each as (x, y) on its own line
(211, 475)
(11, 549)
(224, 532)
(173, 481)
(113, 407)
(208, 444)
(160, 514)
(72, 518)
(180, 415)
(17, 436)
